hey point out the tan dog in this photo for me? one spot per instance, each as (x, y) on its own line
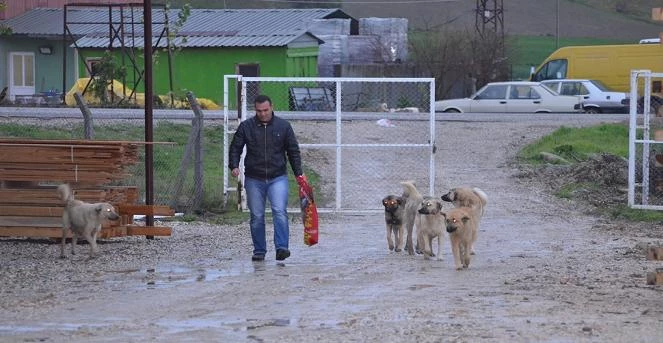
(412, 202)
(462, 227)
(473, 198)
(83, 219)
(393, 217)
(430, 225)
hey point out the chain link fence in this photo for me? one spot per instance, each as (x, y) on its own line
(359, 136)
(187, 149)
(645, 174)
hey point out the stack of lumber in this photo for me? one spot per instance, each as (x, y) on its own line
(73, 161)
(30, 171)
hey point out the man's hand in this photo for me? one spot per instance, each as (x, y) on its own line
(302, 181)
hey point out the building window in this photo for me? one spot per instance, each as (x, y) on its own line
(92, 64)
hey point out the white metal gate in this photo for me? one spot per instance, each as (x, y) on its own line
(360, 136)
(645, 165)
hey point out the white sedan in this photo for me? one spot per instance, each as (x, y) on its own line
(512, 96)
(596, 97)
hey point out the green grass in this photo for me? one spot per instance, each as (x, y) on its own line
(634, 214)
(577, 144)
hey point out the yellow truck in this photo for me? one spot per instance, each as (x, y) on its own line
(610, 64)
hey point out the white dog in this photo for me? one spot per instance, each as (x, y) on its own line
(83, 219)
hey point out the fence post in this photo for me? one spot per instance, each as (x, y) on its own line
(198, 160)
(193, 147)
(88, 129)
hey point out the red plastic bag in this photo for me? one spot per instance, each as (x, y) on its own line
(309, 212)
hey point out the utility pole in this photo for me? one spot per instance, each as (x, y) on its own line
(490, 18)
(490, 27)
(557, 25)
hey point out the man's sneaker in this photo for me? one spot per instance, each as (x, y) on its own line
(258, 257)
(282, 254)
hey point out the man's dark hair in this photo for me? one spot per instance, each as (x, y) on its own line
(262, 98)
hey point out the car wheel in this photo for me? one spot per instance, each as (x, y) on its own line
(592, 110)
(451, 110)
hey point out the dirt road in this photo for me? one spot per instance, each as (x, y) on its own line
(543, 272)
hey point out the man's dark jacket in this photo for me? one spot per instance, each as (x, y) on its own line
(268, 145)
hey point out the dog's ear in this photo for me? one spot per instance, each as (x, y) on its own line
(400, 200)
(444, 214)
(98, 209)
(465, 219)
(439, 206)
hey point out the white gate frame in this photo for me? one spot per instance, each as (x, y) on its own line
(338, 145)
(646, 142)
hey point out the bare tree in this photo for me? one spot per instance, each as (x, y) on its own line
(459, 61)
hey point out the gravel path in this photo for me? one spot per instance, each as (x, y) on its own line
(544, 271)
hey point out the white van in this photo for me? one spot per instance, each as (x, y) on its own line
(650, 41)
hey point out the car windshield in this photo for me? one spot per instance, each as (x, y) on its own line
(600, 85)
(555, 69)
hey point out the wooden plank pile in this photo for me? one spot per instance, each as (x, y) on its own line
(75, 161)
(30, 171)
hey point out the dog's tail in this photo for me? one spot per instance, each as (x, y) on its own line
(409, 189)
(482, 195)
(64, 192)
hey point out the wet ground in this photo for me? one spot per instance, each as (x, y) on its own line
(543, 272)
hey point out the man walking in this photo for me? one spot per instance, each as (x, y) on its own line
(270, 144)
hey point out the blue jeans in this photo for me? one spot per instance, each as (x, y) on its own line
(257, 192)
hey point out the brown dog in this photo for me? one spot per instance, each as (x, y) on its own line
(473, 198)
(411, 211)
(83, 219)
(393, 217)
(430, 225)
(462, 227)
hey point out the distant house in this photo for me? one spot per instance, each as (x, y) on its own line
(45, 52)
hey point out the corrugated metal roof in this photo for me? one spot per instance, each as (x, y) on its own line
(199, 41)
(203, 28)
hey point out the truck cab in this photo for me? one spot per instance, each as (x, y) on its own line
(553, 69)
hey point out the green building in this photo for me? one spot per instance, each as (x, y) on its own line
(49, 49)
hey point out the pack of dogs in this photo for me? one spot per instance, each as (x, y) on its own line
(402, 214)
(461, 222)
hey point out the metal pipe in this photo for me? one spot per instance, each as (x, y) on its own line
(149, 95)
